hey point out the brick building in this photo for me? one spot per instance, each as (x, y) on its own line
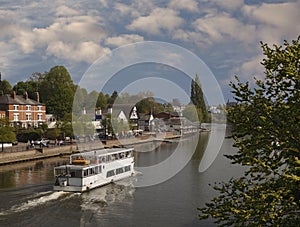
(22, 111)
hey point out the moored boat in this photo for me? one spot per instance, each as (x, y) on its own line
(93, 169)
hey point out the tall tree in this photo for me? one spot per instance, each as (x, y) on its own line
(5, 87)
(112, 98)
(197, 98)
(101, 101)
(266, 133)
(57, 91)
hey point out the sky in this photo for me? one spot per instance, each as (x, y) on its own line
(38, 35)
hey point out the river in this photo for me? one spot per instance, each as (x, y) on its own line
(27, 198)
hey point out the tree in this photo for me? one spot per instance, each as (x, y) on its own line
(5, 87)
(57, 91)
(197, 98)
(101, 101)
(112, 98)
(193, 114)
(7, 135)
(266, 132)
(31, 87)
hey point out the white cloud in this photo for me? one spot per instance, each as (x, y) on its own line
(136, 9)
(66, 11)
(228, 4)
(84, 51)
(72, 33)
(222, 27)
(190, 37)
(123, 39)
(159, 20)
(189, 5)
(277, 20)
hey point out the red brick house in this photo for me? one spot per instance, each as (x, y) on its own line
(22, 111)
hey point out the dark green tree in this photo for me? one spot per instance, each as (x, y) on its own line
(7, 135)
(101, 101)
(266, 132)
(192, 113)
(197, 98)
(112, 98)
(30, 86)
(5, 87)
(57, 91)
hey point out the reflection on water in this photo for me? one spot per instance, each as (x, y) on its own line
(28, 173)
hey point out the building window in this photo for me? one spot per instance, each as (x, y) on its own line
(28, 107)
(16, 107)
(16, 117)
(28, 117)
(39, 108)
(40, 117)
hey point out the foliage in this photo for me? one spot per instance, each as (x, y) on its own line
(23, 135)
(192, 113)
(31, 87)
(266, 132)
(148, 105)
(57, 91)
(5, 87)
(101, 101)
(197, 98)
(7, 134)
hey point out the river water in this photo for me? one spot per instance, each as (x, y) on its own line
(27, 198)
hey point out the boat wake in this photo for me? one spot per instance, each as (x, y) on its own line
(36, 200)
(107, 195)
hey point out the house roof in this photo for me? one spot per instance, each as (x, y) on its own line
(18, 100)
(144, 116)
(126, 108)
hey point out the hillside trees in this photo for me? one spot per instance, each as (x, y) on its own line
(266, 131)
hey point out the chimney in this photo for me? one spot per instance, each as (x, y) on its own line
(13, 95)
(37, 97)
(25, 95)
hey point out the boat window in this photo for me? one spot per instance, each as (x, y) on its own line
(101, 159)
(85, 173)
(60, 172)
(119, 170)
(110, 173)
(98, 168)
(91, 171)
(76, 173)
(127, 168)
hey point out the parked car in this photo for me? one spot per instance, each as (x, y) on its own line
(42, 141)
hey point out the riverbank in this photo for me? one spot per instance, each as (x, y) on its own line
(43, 153)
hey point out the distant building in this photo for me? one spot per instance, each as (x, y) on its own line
(22, 111)
(126, 113)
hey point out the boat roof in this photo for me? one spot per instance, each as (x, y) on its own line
(101, 152)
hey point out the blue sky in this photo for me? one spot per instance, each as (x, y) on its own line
(37, 35)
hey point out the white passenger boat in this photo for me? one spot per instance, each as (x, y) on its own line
(93, 169)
